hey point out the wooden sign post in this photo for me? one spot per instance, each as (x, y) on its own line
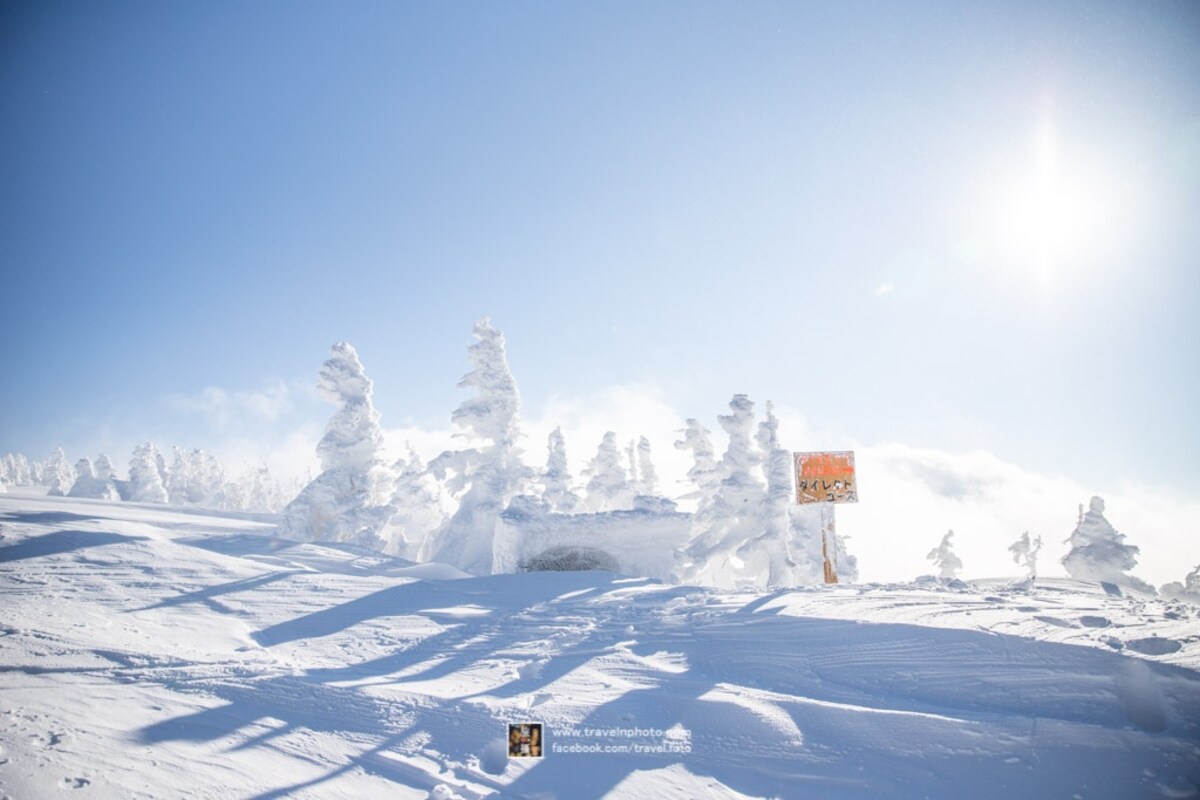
(826, 479)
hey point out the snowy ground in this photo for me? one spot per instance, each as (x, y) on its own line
(156, 652)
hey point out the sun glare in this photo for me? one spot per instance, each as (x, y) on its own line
(1052, 212)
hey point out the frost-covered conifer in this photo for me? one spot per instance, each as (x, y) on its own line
(104, 468)
(145, 481)
(343, 503)
(647, 477)
(180, 480)
(1099, 553)
(703, 474)
(1188, 591)
(1025, 552)
(36, 473)
(608, 486)
(8, 469)
(766, 555)
(944, 558)
(556, 480)
(58, 474)
(87, 484)
(733, 514)
(489, 475)
(416, 509)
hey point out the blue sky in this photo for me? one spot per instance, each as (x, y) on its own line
(810, 203)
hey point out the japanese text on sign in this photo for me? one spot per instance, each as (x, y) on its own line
(826, 478)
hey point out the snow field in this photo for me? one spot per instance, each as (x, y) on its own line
(158, 652)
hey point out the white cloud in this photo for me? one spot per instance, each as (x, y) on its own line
(224, 408)
(884, 288)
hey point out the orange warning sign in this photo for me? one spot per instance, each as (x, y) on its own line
(826, 477)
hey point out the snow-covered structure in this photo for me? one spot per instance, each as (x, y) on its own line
(88, 484)
(1025, 553)
(556, 480)
(635, 541)
(944, 558)
(343, 503)
(1099, 553)
(608, 486)
(58, 474)
(487, 476)
(145, 480)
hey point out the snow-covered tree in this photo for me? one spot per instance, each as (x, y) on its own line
(1025, 552)
(105, 470)
(1188, 591)
(944, 558)
(416, 509)
(647, 477)
(8, 469)
(87, 484)
(489, 475)
(725, 522)
(261, 490)
(84, 468)
(608, 486)
(343, 503)
(145, 481)
(703, 474)
(766, 556)
(1099, 553)
(180, 483)
(36, 476)
(556, 480)
(58, 473)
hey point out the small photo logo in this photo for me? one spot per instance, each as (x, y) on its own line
(525, 740)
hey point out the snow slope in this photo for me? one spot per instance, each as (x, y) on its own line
(148, 651)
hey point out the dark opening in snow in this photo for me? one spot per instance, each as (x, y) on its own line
(571, 559)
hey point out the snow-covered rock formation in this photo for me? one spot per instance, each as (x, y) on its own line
(1099, 553)
(343, 503)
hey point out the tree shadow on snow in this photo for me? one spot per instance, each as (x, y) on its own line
(47, 517)
(777, 705)
(57, 542)
(207, 595)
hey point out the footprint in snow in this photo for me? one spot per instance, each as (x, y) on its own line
(1154, 646)
(1088, 621)
(76, 783)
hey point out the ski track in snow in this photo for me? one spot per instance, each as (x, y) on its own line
(150, 652)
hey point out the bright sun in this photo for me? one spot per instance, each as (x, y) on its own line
(1053, 211)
